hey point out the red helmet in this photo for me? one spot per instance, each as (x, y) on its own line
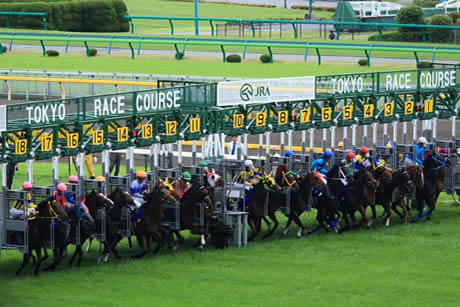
(350, 155)
(364, 149)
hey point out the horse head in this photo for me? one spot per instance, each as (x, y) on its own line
(122, 198)
(97, 198)
(269, 183)
(415, 173)
(214, 180)
(55, 209)
(368, 179)
(287, 179)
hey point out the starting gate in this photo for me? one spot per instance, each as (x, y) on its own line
(170, 208)
(15, 234)
(125, 226)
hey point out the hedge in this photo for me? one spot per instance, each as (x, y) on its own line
(71, 15)
(265, 58)
(440, 35)
(424, 64)
(362, 62)
(234, 58)
(396, 36)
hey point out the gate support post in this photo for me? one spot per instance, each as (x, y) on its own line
(30, 174)
(353, 136)
(324, 141)
(395, 132)
(414, 131)
(282, 143)
(385, 134)
(130, 162)
(304, 141)
(55, 169)
(345, 138)
(203, 148)
(333, 137)
(267, 146)
(364, 135)
(374, 134)
(404, 136)
(152, 157)
(245, 148)
(454, 135)
(261, 144)
(289, 139)
(435, 128)
(312, 139)
(105, 167)
(3, 166)
(179, 154)
(194, 153)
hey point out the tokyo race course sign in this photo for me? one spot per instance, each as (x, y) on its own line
(235, 93)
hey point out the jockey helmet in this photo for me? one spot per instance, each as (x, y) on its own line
(327, 154)
(141, 174)
(340, 144)
(186, 176)
(288, 154)
(73, 179)
(203, 164)
(422, 140)
(62, 187)
(364, 149)
(350, 155)
(100, 178)
(27, 185)
(248, 163)
(273, 147)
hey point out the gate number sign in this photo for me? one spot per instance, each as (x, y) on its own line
(261, 118)
(20, 147)
(238, 120)
(122, 134)
(348, 112)
(368, 110)
(388, 109)
(171, 127)
(147, 131)
(47, 143)
(408, 107)
(283, 117)
(305, 115)
(72, 140)
(98, 137)
(195, 125)
(326, 114)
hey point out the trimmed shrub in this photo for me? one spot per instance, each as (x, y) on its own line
(424, 64)
(4, 49)
(70, 15)
(393, 36)
(52, 53)
(181, 55)
(233, 58)
(362, 62)
(425, 3)
(265, 58)
(92, 52)
(455, 17)
(440, 35)
(409, 15)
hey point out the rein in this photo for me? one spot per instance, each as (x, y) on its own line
(441, 164)
(289, 184)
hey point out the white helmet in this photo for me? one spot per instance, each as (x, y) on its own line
(248, 163)
(422, 140)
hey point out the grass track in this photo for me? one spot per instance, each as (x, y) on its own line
(409, 265)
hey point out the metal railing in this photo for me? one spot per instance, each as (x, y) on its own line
(42, 15)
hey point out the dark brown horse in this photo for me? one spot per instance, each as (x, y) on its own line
(149, 225)
(415, 173)
(258, 201)
(192, 202)
(434, 171)
(39, 233)
(358, 196)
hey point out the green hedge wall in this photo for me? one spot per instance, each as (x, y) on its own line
(73, 15)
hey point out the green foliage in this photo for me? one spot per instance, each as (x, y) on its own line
(424, 64)
(181, 55)
(425, 3)
(52, 53)
(92, 52)
(4, 49)
(440, 35)
(362, 62)
(265, 58)
(70, 15)
(409, 15)
(455, 17)
(233, 58)
(393, 36)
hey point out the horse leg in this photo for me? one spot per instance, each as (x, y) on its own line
(39, 260)
(272, 216)
(374, 216)
(45, 252)
(388, 214)
(143, 242)
(180, 239)
(289, 221)
(296, 219)
(74, 255)
(252, 224)
(159, 241)
(80, 255)
(90, 242)
(25, 262)
(105, 253)
(320, 219)
(362, 211)
(347, 223)
(58, 255)
(130, 243)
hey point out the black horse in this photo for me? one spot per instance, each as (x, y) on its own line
(434, 171)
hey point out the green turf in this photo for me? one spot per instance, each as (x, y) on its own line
(405, 265)
(189, 66)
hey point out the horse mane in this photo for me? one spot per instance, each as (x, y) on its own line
(190, 192)
(332, 171)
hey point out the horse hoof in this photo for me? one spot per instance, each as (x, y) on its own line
(305, 232)
(285, 231)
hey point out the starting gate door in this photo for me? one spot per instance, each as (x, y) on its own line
(74, 190)
(101, 219)
(15, 225)
(445, 149)
(300, 164)
(275, 162)
(40, 193)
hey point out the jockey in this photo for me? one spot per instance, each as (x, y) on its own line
(362, 159)
(283, 168)
(60, 195)
(419, 153)
(18, 208)
(100, 178)
(184, 183)
(247, 177)
(72, 197)
(340, 145)
(350, 159)
(381, 163)
(137, 188)
(321, 164)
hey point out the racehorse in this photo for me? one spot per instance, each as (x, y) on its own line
(388, 182)
(149, 225)
(87, 226)
(38, 233)
(434, 171)
(358, 195)
(61, 234)
(257, 203)
(195, 200)
(415, 173)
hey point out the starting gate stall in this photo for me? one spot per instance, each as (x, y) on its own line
(88, 186)
(114, 182)
(14, 228)
(338, 156)
(391, 160)
(40, 193)
(230, 221)
(74, 189)
(171, 208)
(445, 151)
(275, 162)
(300, 164)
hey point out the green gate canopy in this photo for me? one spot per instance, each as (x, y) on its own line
(345, 12)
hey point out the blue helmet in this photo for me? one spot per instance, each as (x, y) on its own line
(288, 154)
(327, 154)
